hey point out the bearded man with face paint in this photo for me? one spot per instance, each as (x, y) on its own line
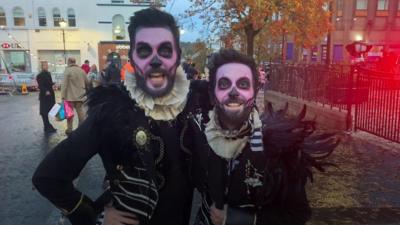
(254, 168)
(138, 132)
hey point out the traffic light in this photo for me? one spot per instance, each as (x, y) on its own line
(357, 48)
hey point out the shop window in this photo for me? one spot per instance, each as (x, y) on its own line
(118, 26)
(337, 53)
(56, 17)
(42, 17)
(3, 21)
(71, 18)
(17, 61)
(19, 18)
(289, 51)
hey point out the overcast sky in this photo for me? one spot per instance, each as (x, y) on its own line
(176, 8)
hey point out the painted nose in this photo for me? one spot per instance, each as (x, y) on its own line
(233, 93)
(155, 62)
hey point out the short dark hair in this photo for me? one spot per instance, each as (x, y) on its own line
(152, 17)
(225, 56)
(86, 61)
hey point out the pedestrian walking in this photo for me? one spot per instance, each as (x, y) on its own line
(73, 89)
(86, 66)
(111, 74)
(93, 76)
(127, 68)
(46, 96)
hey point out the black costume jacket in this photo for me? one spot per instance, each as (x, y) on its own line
(290, 151)
(148, 169)
(45, 83)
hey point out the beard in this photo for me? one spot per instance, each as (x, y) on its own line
(233, 112)
(156, 86)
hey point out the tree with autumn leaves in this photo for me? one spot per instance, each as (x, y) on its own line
(307, 21)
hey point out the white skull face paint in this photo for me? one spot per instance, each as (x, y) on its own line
(155, 58)
(234, 86)
(234, 91)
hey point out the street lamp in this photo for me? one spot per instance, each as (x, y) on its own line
(63, 24)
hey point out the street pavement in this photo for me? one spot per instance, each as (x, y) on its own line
(364, 188)
(22, 146)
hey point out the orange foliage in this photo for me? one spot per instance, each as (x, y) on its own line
(306, 20)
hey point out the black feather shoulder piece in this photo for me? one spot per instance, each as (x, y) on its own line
(112, 95)
(113, 110)
(292, 142)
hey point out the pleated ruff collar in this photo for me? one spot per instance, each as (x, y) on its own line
(229, 144)
(161, 108)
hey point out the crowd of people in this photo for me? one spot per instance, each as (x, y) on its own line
(161, 133)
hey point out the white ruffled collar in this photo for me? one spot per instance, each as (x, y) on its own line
(229, 144)
(161, 108)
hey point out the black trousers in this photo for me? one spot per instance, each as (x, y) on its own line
(46, 122)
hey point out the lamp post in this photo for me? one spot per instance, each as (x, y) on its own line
(63, 24)
(355, 49)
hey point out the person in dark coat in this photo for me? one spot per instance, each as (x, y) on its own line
(137, 131)
(46, 96)
(251, 169)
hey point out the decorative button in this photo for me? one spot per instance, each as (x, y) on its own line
(141, 138)
(120, 167)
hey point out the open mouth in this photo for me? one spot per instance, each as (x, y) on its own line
(156, 79)
(233, 105)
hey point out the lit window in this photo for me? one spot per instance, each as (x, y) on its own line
(71, 18)
(118, 26)
(383, 5)
(19, 18)
(361, 4)
(42, 17)
(56, 17)
(3, 21)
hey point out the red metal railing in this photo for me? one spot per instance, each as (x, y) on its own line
(315, 83)
(380, 115)
(375, 95)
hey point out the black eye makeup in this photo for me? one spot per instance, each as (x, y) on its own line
(243, 83)
(224, 83)
(143, 50)
(165, 50)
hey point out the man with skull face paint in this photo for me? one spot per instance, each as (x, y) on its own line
(138, 132)
(255, 168)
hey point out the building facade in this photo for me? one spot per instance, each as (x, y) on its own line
(42, 30)
(375, 22)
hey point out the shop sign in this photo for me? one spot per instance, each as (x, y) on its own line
(122, 47)
(7, 45)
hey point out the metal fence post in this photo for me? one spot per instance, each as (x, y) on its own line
(349, 97)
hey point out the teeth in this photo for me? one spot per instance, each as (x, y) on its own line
(233, 104)
(156, 74)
